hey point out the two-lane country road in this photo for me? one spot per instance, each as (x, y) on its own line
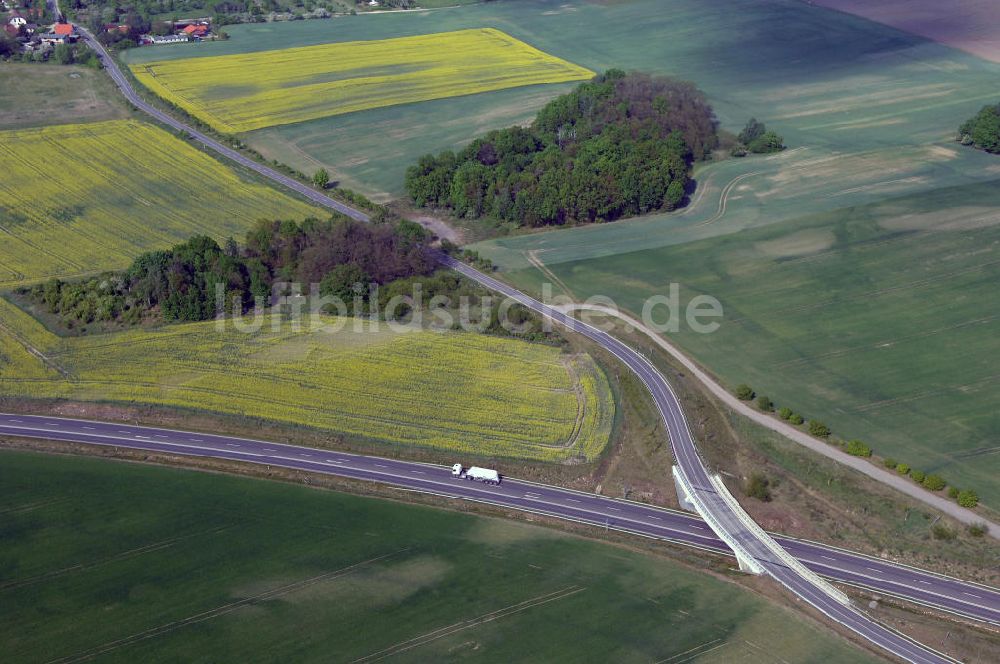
(962, 598)
(723, 514)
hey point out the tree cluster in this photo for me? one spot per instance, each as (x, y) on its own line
(983, 130)
(619, 145)
(755, 138)
(179, 284)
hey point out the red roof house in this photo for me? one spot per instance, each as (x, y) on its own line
(195, 30)
(64, 29)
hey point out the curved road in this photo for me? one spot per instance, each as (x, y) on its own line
(730, 522)
(969, 600)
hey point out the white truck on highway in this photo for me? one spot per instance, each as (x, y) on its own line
(484, 475)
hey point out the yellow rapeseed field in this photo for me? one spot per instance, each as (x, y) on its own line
(463, 392)
(238, 93)
(76, 199)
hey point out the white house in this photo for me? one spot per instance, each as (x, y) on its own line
(17, 21)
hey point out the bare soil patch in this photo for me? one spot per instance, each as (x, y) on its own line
(970, 25)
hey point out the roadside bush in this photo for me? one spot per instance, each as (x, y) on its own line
(934, 482)
(857, 448)
(942, 532)
(765, 404)
(818, 429)
(785, 413)
(968, 498)
(978, 529)
(903, 469)
(796, 419)
(744, 392)
(889, 462)
(759, 487)
(953, 492)
(918, 476)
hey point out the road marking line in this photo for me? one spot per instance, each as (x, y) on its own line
(872, 569)
(418, 472)
(196, 440)
(655, 517)
(926, 583)
(143, 437)
(572, 500)
(18, 421)
(268, 449)
(89, 428)
(827, 557)
(381, 465)
(614, 509)
(971, 595)
(159, 435)
(235, 445)
(334, 461)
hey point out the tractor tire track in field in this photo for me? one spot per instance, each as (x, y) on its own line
(221, 610)
(442, 632)
(124, 555)
(46, 360)
(724, 197)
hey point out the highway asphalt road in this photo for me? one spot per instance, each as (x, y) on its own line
(725, 517)
(970, 600)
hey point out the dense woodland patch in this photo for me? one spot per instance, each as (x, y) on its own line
(619, 145)
(385, 271)
(179, 284)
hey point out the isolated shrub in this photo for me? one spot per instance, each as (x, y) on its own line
(889, 462)
(942, 532)
(903, 469)
(978, 529)
(768, 142)
(785, 413)
(818, 429)
(953, 492)
(918, 476)
(765, 404)
(796, 419)
(759, 487)
(934, 482)
(968, 498)
(858, 448)
(744, 392)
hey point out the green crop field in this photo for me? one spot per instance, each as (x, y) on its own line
(836, 83)
(127, 563)
(455, 391)
(879, 320)
(80, 198)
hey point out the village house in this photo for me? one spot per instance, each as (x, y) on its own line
(196, 31)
